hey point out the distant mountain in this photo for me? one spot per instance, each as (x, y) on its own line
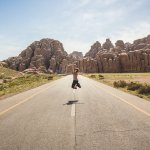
(48, 55)
(76, 55)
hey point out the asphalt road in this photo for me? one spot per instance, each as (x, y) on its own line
(54, 117)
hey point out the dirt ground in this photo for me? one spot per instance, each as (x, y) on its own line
(141, 79)
(1, 81)
(109, 78)
(128, 77)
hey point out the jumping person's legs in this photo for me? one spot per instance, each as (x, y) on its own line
(74, 83)
(78, 84)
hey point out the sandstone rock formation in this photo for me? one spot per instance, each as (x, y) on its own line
(107, 45)
(107, 62)
(76, 55)
(124, 57)
(135, 61)
(120, 45)
(43, 55)
(3, 64)
(31, 71)
(48, 55)
(95, 48)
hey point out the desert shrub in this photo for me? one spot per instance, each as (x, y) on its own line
(28, 76)
(23, 80)
(2, 87)
(144, 89)
(2, 76)
(8, 77)
(22, 77)
(120, 83)
(134, 86)
(45, 76)
(14, 83)
(50, 77)
(6, 80)
(93, 76)
(100, 76)
(116, 84)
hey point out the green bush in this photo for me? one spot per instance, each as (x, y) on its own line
(144, 89)
(134, 86)
(100, 76)
(93, 76)
(2, 76)
(50, 77)
(5, 80)
(120, 83)
(3, 87)
(45, 76)
(8, 77)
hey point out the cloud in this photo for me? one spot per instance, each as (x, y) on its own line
(79, 23)
(131, 33)
(115, 19)
(127, 34)
(83, 3)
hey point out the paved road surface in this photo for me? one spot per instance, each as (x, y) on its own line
(100, 118)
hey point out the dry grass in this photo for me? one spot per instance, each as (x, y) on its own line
(111, 78)
(9, 72)
(13, 82)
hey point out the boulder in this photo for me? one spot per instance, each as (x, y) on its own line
(53, 64)
(76, 55)
(31, 71)
(64, 65)
(107, 45)
(148, 39)
(140, 46)
(120, 45)
(95, 48)
(3, 64)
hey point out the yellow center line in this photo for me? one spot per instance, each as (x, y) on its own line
(123, 100)
(23, 101)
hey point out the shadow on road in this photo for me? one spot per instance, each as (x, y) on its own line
(70, 102)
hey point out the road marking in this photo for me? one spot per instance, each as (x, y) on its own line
(23, 101)
(73, 110)
(123, 100)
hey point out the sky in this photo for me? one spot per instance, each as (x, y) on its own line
(75, 23)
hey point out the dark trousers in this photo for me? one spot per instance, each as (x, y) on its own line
(74, 83)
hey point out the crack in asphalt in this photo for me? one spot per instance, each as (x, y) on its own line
(115, 131)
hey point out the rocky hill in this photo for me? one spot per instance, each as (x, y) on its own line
(123, 57)
(48, 55)
(44, 55)
(76, 55)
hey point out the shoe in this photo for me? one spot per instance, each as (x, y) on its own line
(75, 87)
